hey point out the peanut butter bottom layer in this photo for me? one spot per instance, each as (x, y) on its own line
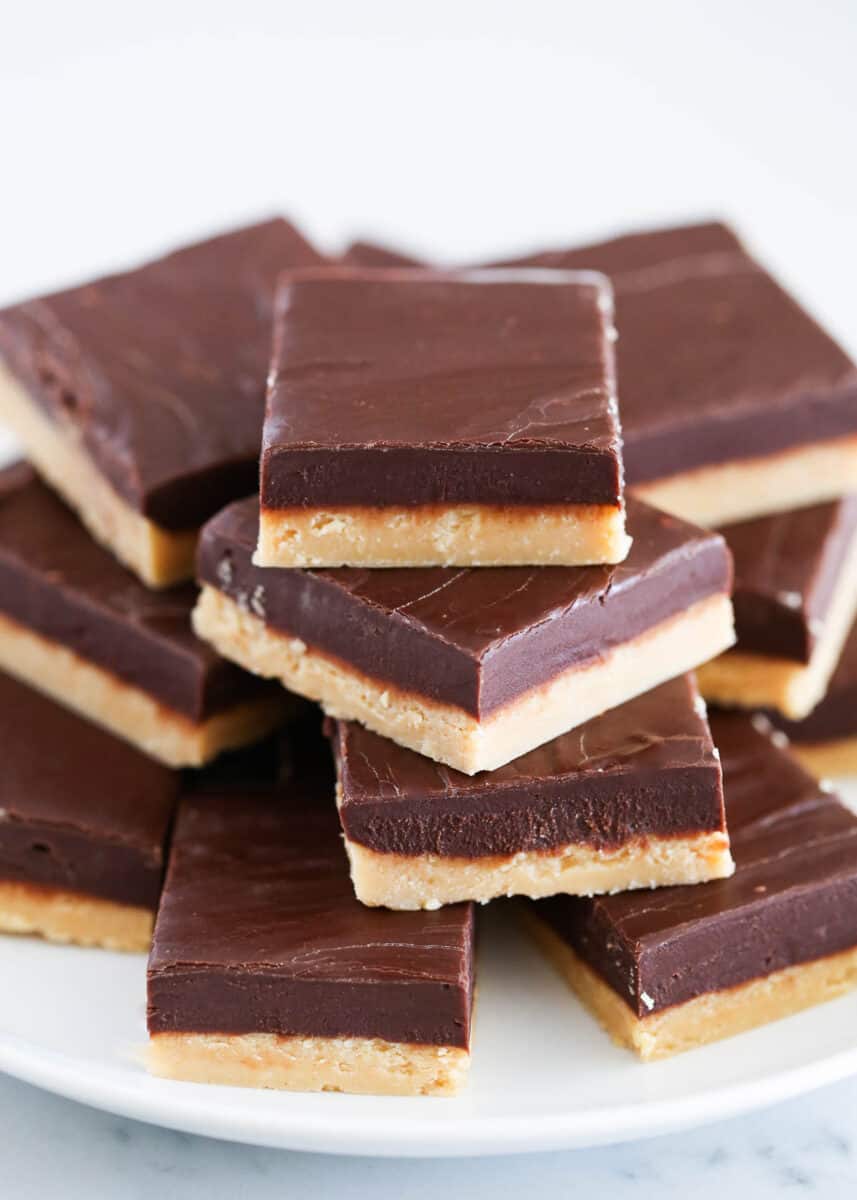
(369, 1066)
(62, 916)
(826, 759)
(467, 535)
(160, 557)
(742, 680)
(430, 881)
(707, 1018)
(447, 733)
(736, 491)
(127, 711)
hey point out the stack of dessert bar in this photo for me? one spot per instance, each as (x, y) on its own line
(443, 557)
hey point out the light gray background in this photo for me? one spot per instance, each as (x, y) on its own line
(457, 129)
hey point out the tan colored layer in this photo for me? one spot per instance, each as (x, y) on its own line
(127, 711)
(707, 1018)
(159, 556)
(429, 881)
(754, 487)
(826, 759)
(465, 535)
(70, 917)
(366, 1066)
(742, 680)
(448, 734)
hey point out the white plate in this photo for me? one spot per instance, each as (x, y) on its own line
(544, 1076)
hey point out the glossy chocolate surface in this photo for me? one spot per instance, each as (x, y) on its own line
(161, 370)
(644, 769)
(835, 716)
(259, 932)
(792, 899)
(414, 388)
(80, 810)
(787, 568)
(716, 362)
(474, 638)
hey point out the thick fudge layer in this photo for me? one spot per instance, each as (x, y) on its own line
(140, 396)
(259, 936)
(84, 816)
(407, 417)
(630, 796)
(791, 902)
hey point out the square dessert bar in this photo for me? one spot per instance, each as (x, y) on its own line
(735, 403)
(470, 667)
(631, 799)
(139, 397)
(826, 740)
(84, 820)
(78, 626)
(795, 598)
(668, 970)
(266, 972)
(416, 419)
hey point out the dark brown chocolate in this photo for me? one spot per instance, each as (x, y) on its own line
(57, 582)
(368, 254)
(161, 370)
(259, 932)
(413, 388)
(835, 716)
(716, 362)
(80, 810)
(787, 568)
(644, 769)
(475, 638)
(792, 899)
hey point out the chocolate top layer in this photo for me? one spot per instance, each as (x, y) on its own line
(161, 370)
(835, 716)
(646, 768)
(474, 638)
(792, 899)
(79, 809)
(57, 582)
(411, 387)
(259, 931)
(787, 568)
(716, 361)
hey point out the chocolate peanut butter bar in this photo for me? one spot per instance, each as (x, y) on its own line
(78, 626)
(83, 824)
(734, 402)
(140, 396)
(672, 969)
(826, 740)
(795, 598)
(470, 667)
(630, 799)
(416, 419)
(266, 972)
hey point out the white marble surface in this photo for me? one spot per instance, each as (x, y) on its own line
(53, 1148)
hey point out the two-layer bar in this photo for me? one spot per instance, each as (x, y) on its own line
(672, 969)
(266, 972)
(78, 626)
(472, 668)
(630, 799)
